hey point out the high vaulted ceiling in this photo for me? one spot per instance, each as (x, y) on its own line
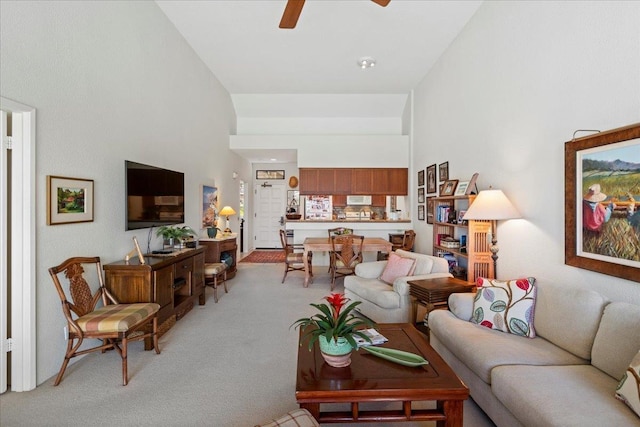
(239, 40)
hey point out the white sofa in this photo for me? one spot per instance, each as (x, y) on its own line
(565, 376)
(386, 303)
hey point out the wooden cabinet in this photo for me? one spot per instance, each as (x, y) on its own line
(173, 281)
(363, 181)
(219, 250)
(472, 250)
(378, 201)
(339, 200)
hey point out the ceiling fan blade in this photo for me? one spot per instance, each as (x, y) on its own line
(291, 13)
(382, 3)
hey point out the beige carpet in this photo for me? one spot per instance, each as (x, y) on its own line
(226, 364)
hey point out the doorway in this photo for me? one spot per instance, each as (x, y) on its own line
(270, 206)
(17, 247)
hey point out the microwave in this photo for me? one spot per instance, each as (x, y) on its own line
(358, 200)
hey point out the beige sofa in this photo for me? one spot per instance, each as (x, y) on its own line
(386, 303)
(565, 376)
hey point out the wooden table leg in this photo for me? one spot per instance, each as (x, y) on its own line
(307, 274)
(452, 409)
(313, 408)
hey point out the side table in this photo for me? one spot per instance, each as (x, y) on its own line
(434, 293)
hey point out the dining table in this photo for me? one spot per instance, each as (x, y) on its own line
(310, 244)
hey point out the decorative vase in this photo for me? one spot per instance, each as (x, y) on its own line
(336, 352)
(212, 232)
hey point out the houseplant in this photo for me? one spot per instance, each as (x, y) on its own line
(172, 233)
(334, 328)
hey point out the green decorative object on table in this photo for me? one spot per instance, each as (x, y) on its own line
(212, 232)
(334, 328)
(171, 234)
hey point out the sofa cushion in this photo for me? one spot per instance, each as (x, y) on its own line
(482, 349)
(542, 396)
(425, 264)
(617, 339)
(629, 388)
(374, 291)
(397, 266)
(506, 306)
(568, 316)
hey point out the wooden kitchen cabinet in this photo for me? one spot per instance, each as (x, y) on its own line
(379, 201)
(362, 181)
(339, 200)
(172, 281)
(342, 181)
(356, 181)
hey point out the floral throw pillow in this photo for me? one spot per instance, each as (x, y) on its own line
(397, 266)
(506, 306)
(629, 388)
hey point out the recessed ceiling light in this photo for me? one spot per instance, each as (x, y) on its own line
(273, 160)
(366, 62)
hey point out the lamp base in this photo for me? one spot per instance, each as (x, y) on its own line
(227, 230)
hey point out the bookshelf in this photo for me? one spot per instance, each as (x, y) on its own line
(464, 244)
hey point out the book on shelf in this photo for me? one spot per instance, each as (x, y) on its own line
(375, 336)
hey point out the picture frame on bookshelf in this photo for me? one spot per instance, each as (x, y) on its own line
(420, 177)
(421, 212)
(449, 187)
(444, 171)
(472, 187)
(460, 216)
(461, 188)
(431, 179)
(430, 210)
(421, 195)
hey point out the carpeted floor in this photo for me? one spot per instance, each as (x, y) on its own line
(265, 257)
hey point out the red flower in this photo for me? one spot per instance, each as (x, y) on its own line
(337, 301)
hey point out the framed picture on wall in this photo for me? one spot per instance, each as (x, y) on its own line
(69, 200)
(270, 174)
(420, 177)
(421, 195)
(430, 210)
(444, 171)
(209, 205)
(421, 212)
(431, 179)
(599, 219)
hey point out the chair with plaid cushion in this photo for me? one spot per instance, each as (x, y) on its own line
(115, 324)
(293, 261)
(295, 418)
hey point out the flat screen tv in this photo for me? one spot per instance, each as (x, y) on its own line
(155, 196)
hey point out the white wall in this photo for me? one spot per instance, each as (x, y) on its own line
(111, 81)
(506, 96)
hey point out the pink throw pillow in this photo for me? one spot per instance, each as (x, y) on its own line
(397, 266)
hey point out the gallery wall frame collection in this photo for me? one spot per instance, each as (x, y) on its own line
(69, 200)
(431, 179)
(595, 181)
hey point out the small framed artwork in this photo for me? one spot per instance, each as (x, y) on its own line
(269, 174)
(430, 210)
(472, 188)
(421, 212)
(461, 188)
(460, 216)
(431, 179)
(209, 206)
(444, 171)
(420, 177)
(421, 195)
(69, 200)
(449, 187)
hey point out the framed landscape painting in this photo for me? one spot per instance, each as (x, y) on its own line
(602, 192)
(69, 200)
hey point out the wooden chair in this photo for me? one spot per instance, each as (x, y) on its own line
(338, 231)
(293, 261)
(345, 259)
(115, 324)
(213, 273)
(408, 239)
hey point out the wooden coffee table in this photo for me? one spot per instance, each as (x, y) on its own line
(372, 379)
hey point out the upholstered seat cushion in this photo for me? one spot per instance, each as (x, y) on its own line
(295, 418)
(374, 291)
(214, 268)
(295, 258)
(116, 318)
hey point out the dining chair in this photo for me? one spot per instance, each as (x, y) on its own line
(293, 258)
(347, 254)
(115, 324)
(214, 273)
(338, 231)
(408, 240)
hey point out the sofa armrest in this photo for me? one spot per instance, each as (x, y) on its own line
(401, 284)
(461, 305)
(370, 270)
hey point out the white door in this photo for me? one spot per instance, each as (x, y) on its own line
(270, 206)
(4, 305)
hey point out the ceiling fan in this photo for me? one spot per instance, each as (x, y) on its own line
(294, 7)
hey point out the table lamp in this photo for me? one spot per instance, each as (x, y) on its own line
(492, 205)
(227, 211)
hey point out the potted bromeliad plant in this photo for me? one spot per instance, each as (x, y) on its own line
(172, 234)
(335, 329)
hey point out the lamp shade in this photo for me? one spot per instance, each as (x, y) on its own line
(227, 211)
(491, 205)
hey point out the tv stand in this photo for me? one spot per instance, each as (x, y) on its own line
(174, 281)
